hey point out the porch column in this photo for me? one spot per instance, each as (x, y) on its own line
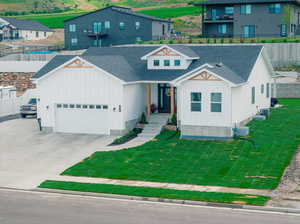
(149, 97)
(172, 99)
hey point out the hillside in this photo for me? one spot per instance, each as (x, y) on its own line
(21, 7)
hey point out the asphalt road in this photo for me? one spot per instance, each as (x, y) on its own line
(19, 207)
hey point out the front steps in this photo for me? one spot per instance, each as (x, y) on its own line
(155, 124)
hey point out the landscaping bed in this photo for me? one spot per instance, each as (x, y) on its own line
(157, 192)
(235, 163)
(126, 138)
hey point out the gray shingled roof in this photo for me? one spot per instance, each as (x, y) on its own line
(217, 2)
(236, 62)
(24, 24)
(125, 11)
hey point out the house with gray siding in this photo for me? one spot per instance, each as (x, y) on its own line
(113, 25)
(250, 18)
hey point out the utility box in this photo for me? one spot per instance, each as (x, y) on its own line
(241, 131)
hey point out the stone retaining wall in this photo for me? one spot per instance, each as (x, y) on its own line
(21, 80)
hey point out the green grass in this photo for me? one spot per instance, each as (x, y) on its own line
(172, 12)
(157, 192)
(147, 3)
(232, 164)
(53, 21)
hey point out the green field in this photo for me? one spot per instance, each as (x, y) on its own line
(53, 21)
(157, 192)
(56, 20)
(172, 12)
(236, 163)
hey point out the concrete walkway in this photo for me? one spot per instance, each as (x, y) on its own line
(189, 187)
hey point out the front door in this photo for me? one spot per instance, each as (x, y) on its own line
(164, 98)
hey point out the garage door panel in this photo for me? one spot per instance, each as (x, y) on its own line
(79, 120)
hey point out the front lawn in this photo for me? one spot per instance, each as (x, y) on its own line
(233, 164)
(157, 192)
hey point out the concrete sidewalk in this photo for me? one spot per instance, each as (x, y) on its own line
(189, 187)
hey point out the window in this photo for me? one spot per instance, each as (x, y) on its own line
(107, 24)
(137, 25)
(216, 102)
(97, 27)
(74, 41)
(283, 29)
(105, 107)
(249, 31)
(72, 106)
(166, 62)
(246, 9)
(98, 107)
(97, 43)
(92, 106)
(196, 99)
(222, 29)
(138, 39)
(262, 89)
(177, 63)
(58, 105)
(45, 34)
(122, 26)
(72, 28)
(229, 10)
(156, 63)
(253, 95)
(268, 90)
(36, 34)
(78, 106)
(275, 8)
(84, 106)
(215, 14)
(65, 105)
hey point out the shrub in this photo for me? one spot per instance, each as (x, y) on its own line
(215, 40)
(171, 41)
(263, 41)
(143, 119)
(130, 135)
(199, 41)
(285, 40)
(174, 119)
(208, 41)
(190, 41)
(161, 41)
(231, 41)
(297, 40)
(222, 41)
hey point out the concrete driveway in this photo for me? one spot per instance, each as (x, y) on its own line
(28, 156)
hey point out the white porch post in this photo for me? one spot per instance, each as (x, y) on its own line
(149, 97)
(172, 99)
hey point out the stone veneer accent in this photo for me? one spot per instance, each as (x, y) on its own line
(21, 80)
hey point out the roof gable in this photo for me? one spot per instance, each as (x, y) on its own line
(24, 24)
(176, 50)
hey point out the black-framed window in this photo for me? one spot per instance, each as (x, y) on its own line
(166, 62)
(249, 31)
(262, 88)
(137, 25)
(229, 10)
(72, 28)
(268, 90)
(216, 102)
(283, 30)
(177, 62)
(196, 102)
(246, 9)
(122, 26)
(74, 41)
(107, 24)
(275, 8)
(222, 28)
(156, 63)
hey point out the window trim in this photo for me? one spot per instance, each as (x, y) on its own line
(73, 42)
(122, 26)
(213, 102)
(176, 62)
(167, 63)
(195, 102)
(156, 65)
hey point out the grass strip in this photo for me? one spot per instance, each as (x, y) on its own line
(157, 192)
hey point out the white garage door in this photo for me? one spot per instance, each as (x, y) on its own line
(82, 118)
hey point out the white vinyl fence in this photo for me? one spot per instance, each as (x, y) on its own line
(9, 102)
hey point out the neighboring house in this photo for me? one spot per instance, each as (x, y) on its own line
(105, 90)
(114, 25)
(20, 29)
(250, 18)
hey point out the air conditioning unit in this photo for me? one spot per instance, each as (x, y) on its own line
(241, 131)
(265, 112)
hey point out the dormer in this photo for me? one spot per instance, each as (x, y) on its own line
(170, 57)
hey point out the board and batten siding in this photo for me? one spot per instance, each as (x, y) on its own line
(80, 86)
(242, 107)
(134, 103)
(205, 117)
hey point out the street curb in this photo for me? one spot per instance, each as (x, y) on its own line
(171, 201)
